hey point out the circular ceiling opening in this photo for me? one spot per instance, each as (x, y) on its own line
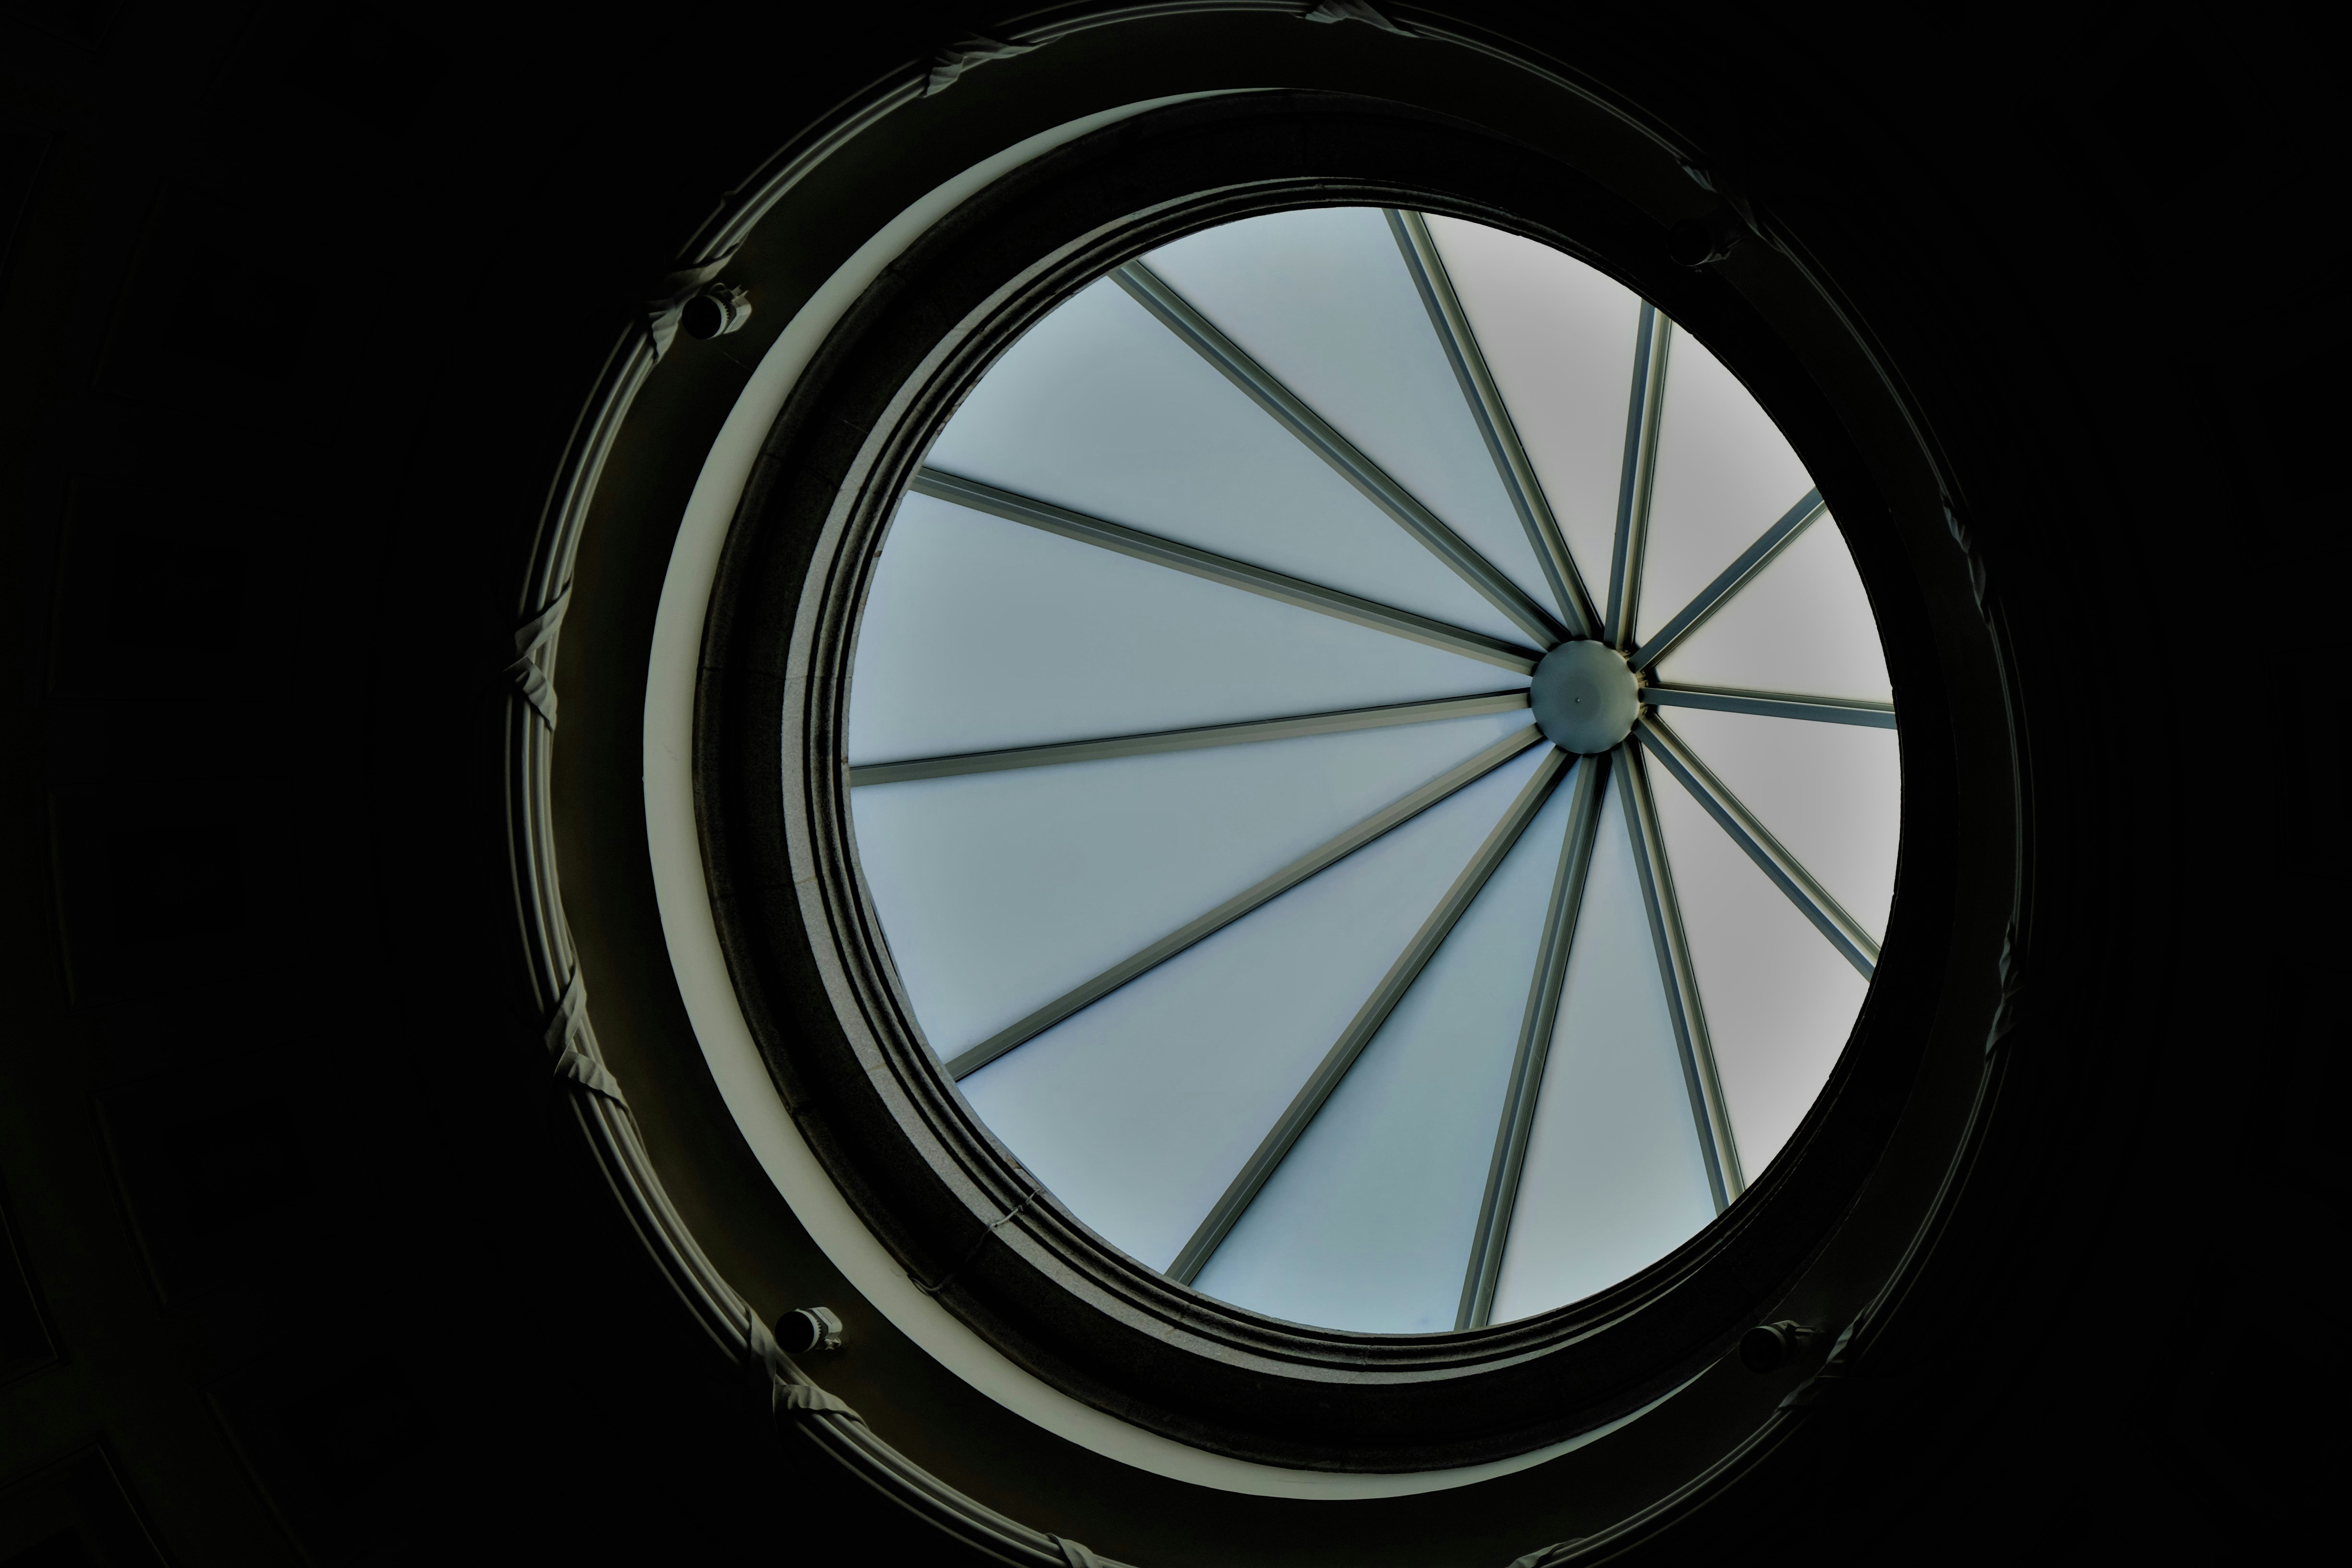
(1377, 774)
(1136, 823)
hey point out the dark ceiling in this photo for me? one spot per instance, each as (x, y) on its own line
(298, 306)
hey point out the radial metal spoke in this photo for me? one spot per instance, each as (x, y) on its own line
(1734, 577)
(1710, 1114)
(1368, 1020)
(1452, 324)
(1177, 313)
(1653, 337)
(1321, 858)
(1537, 1026)
(1787, 872)
(940, 485)
(1193, 740)
(1774, 705)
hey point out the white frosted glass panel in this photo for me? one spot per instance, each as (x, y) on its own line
(1804, 624)
(1322, 299)
(1614, 1180)
(1779, 1000)
(1832, 793)
(1367, 1225)
(1102, 409)
(981, 633)
(1138, 1111)
(1725, 475)
(1559, 338)
(1000, 891)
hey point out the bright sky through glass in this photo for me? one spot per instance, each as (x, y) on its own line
(1256, 1003)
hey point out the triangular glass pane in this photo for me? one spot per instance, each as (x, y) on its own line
(1322, 299)
(1367, 1225)
(1614, 1179)
(1832, 793)
(1804, 624)
(1000, 891)
(1779, 1000)
(1725, 475)
(981, 633)
(1102, 409)
(1559, 338)
(1138, 1111)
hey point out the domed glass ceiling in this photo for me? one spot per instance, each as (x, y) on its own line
(1375, 779)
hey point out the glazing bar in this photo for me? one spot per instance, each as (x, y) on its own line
(1293, 1123)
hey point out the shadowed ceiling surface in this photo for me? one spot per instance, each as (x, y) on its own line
(297, 307)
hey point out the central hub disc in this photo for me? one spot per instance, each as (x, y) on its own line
(1585, 697)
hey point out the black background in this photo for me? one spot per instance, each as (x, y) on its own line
(297, 307)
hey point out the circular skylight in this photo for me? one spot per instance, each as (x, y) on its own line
(1376, 770)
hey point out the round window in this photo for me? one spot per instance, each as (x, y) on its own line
(1300, 789)
(1375, 769)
